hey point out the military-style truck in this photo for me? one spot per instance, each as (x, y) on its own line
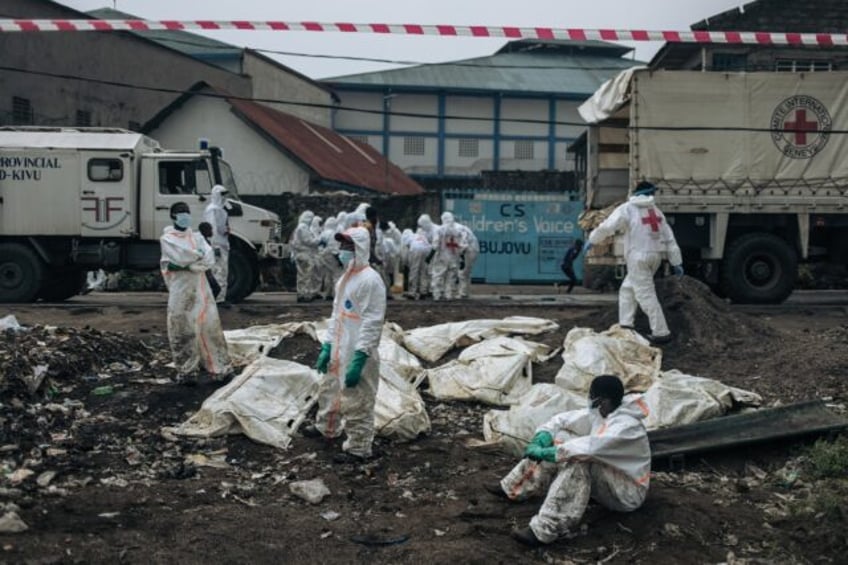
(752, 168)
(80, 199)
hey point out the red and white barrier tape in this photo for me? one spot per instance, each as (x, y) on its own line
(733, 37)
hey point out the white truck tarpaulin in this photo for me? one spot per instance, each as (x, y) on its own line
(609, 98)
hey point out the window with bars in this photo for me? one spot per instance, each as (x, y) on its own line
(524, 149)
(803, 65)
(359, 138)
(83, 118)
(469, 148)
(413, 145)
(22, 113)
(730, 61)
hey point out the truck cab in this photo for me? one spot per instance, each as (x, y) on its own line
(79, 199)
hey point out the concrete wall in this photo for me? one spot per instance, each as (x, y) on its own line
(107, 56)
(260, 168)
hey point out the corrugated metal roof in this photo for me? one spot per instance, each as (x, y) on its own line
(528, 71)
(333, 157)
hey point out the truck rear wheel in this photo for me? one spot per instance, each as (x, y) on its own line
(759, 268)
(61, 285)
(21, 273)
(243, 274)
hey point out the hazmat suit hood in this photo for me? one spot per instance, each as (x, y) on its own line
(361, 244)
(448, 219)
(306, 218)
(219, 196)
(330, 224)
(425, 222)
(642, 200)
(632, 405)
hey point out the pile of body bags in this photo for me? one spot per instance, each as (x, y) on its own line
(271, 397)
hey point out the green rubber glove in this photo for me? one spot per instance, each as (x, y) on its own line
(175, 267)
(324, 358)
(537, 453)
(547, 454)
(354, 369)
(543, 439)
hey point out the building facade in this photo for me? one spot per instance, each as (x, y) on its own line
(513, 111)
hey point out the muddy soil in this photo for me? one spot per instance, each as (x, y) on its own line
(108, 485)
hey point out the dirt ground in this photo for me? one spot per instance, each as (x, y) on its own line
(95, 479)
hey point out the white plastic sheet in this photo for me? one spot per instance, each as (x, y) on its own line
(617, 351)
(248, 344)
(399, 410)
(432, 342)
(496, 371)
(9, 322)
(676, 399)
(267, 402)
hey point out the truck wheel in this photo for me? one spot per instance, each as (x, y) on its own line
(243, 274)
(61, 285)
(759, 268)
(21, 273)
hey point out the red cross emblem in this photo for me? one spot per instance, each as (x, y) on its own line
(653, 220)
(452, 245)
(801, 126)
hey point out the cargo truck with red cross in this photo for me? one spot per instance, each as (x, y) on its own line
(751, 170)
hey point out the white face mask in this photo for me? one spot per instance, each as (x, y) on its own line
(346, 257)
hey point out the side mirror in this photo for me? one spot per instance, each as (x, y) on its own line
(201, 198)
(234, 209)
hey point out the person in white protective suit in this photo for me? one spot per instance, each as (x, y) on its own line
(450, 244)
(349, 358)
(194, 328)
(467, 260)
(304, 249)
(328, 268)
(315, 227)
(420, 249)
(600, 452)
(216, 214)
(647, 236)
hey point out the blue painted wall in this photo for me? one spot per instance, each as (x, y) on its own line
(523, 235)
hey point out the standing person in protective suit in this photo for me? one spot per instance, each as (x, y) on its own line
(194, 328)
(567, 266)
(647, 236)
(349, 358)
(467, 260)
(450, 244)
(599, 452)
(216, 214)
(304, 249)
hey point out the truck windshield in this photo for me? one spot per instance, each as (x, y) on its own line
(228, 180)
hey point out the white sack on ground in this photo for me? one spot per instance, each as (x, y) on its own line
(513, 429)
(496, 371)
(267, 402)
(676, 399)
(399, 410)
(617, 351)
(248, 344)
(431, 343)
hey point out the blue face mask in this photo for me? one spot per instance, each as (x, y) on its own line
(346, 257)
(182, 220)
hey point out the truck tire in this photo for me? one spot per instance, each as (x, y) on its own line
(61, 285)
(243, 274)
(21, 273)
(759, 268)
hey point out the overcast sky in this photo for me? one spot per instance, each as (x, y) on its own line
(591, 14)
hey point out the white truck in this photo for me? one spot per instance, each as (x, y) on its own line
(80, 199)
(752, 168)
